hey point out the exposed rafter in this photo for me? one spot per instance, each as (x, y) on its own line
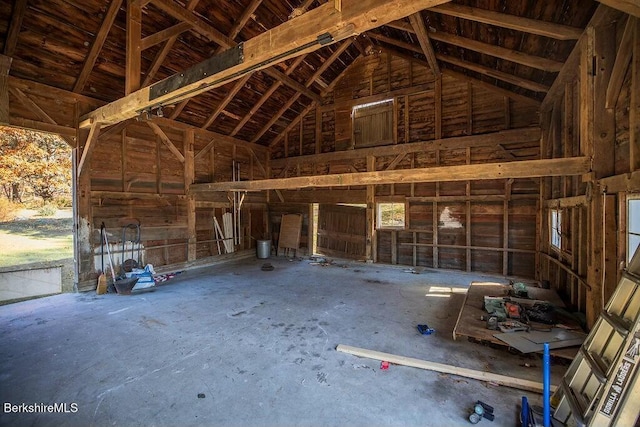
(266, 96)
(499, 52)
(97, 44)
(417, 23)
(164, 35)
(312, 30)
(223, 104)
(632, 7)
(532, 26)
(17, 15)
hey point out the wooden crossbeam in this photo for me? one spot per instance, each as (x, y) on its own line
(200, 26)
(164, 51)
(526, 25)
(266, 96)
(223, 104)
(164, 35)
(303, 34)
(632, 7)
(623, 59)
(474, 172)
(537, 62)
(293, 84)
(396, 42)
(496, 74)
(165, 140)
(88, 146)
(242, 21)
(522, 135)
(97, 44)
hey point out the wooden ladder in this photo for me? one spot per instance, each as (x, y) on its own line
(601, 388)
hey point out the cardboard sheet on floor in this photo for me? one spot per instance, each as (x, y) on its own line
(529, 342)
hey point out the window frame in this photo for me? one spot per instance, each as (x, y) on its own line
(555, 229)
(631, 198)
(392, 201)
(373, 105)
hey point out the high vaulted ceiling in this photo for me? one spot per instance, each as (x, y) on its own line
(81, 46)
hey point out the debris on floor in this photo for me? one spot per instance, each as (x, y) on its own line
(321, 261)
(518, 316)
(425, 329)
(384, 365)
(161, 278)
(267, 267)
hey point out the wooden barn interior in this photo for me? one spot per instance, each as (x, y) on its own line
(485, 137)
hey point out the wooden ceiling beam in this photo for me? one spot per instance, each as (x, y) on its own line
(330, 60)
(223, 104)
(92, 138)
(17, 15)
(521, 135)
(307, 109)
(266, 96)
(496, 74)
(632, 7)
(133, 54)
(97, 44)
(164, 51)
(504, 92)
(164, 35)
(474, 172)
(396, 43)
(201, 27)
(303, 34)
(242, 21)
(417, 23)
(297, 86)
(518, 57)
(512, 22)
(623, 59)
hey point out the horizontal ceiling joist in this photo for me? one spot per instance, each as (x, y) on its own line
(521, 169)
(306, 33)
(530, 134)
(527, 25)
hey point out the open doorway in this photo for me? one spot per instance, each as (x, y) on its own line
(36, 214)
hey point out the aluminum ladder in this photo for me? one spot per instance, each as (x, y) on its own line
(601, 388)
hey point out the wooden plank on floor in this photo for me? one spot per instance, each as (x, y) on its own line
(504, 380)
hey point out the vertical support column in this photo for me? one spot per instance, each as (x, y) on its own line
(468, 214)
(134, 34)
(595, 255)
(586, 93)
(189, 176)
(505, 227)
(438, 106)
(634, 102)
(371, 243)
(604, 125)
(610, 247)
(5, 65)
(318, 130)
(83, 219)
(469, 108)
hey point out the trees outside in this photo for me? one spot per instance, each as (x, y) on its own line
(33, 163)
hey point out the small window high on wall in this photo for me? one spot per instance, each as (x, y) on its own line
(555, 228)
(633, 228)
(373, 124)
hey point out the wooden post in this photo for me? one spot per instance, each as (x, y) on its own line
(595, 256)
(586, 93)
(438, 106)
(505, 228)
(610, 253)
(371, 244)
(189, 176)
(83, 226)
(134, 33)
(604, 124)
(5, 65)
(634, 102)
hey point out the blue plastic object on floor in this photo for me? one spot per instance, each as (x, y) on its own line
(425, 330)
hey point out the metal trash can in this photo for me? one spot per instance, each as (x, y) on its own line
(263, 249)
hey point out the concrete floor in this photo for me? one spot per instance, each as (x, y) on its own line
(259, 346)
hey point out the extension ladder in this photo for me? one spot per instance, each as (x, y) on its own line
(601, 388)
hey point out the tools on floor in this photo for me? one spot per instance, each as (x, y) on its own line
(481, 410)
(118, 284)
